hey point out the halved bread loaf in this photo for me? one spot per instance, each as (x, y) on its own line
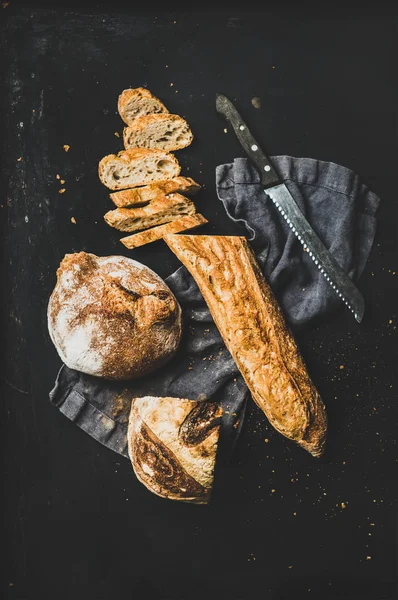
(160, 210)
(172, 445)
(157, 233)
(163, 131)
(136, 102)
(146, 193)
(137, 166)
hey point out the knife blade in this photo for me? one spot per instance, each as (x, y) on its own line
(279, 194)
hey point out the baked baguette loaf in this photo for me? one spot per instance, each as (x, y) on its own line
(172, 444)
(254, 330)
(160, 210)
(163, 131)
(146, 193)
(136, 102)
(137, 166)
(157, 233)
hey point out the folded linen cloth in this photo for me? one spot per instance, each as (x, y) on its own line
(340, 209)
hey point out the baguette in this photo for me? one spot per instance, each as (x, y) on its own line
(137, 166)
(163, 131)
(172, 445)
(136, 102)
(141, 195)
(160, 210)
(254, 330)
(157, 233)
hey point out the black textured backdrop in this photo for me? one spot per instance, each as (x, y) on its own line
(76, 523)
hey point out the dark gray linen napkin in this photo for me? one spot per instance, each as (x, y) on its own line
(341, 210)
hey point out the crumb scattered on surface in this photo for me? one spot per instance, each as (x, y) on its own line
(61, 191)
(73, 220)
(117, 134)
(57, 176)
(343, 505)
(256, 102)
(368, 558)
(341, 366)
(225, 130)
(66, 147)
(62, 181)
(19, 159)
(266, 440)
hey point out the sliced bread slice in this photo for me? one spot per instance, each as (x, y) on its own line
(162, 131)
(137, 166)
(160, 210)
(136, 102)
(146, 193)
(157, 233)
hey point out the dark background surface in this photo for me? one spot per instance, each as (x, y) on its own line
(281, 524)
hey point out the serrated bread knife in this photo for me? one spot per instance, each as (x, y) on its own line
(284, 202)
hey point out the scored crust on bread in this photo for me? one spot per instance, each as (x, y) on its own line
(157, 233)
(253, 328)
(137, 166)
(137, 102)
(163, 131)
(141, 195)
(160, 210)
(172, 445)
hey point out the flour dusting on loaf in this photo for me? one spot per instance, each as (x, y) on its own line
(112, 317)
(172, 444)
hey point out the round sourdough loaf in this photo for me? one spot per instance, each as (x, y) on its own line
(112, 316)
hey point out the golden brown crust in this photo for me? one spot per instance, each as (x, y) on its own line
(160, 210)
(172, 444)
(137, 166)
(165, 131)
(255, 332)
(133, 102)
(112, 317)
(141, 195)
(156, 233)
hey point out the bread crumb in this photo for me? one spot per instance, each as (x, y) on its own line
(19, 159)
(368, 558)
(341, 366)
(61, 191)
(225, 130)
(343, 505)
(117, 134)
(57, 176)
(290, 566)
(273, 491)
(256, 102)
(266, 440)
(171, 84)
(73, 220)
(4, 5)
(294, 514)
(62, 181)
(66, 147)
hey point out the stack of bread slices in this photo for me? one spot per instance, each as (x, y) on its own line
(145, 179)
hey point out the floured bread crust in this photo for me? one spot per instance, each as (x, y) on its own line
(112, 317)
(172, 444)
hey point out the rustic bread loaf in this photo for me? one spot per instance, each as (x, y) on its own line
(172, 444)
(156, 233)
(137, 166)
(163, 131)
(254, 330)
(136, 102)
(159, 210)
(141, 195)
(112, 317)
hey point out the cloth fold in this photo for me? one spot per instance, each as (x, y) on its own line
(341, 210)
